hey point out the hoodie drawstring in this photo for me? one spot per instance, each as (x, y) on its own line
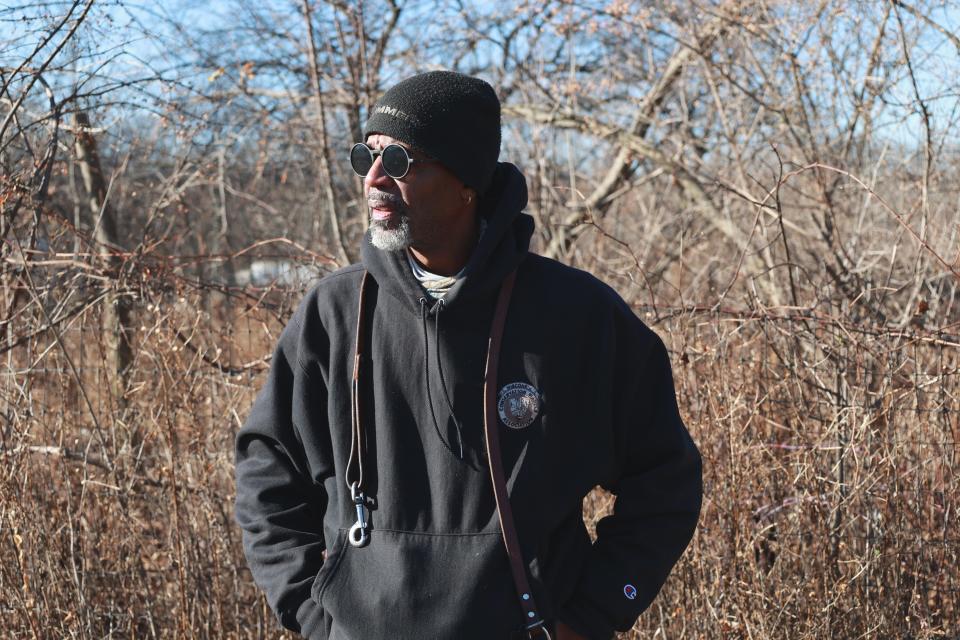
(443, 382)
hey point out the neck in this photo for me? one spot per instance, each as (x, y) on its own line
(452, 254)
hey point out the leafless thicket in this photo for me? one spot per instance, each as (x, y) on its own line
(772, 185)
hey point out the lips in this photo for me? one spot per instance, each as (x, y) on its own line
(384, 206)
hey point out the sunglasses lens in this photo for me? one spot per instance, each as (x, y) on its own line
(395, 161)
(361, 159)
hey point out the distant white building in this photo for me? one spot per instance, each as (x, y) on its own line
(276, 271)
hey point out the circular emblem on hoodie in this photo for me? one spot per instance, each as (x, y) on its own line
(518, 404)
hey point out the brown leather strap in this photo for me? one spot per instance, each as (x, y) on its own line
(359, 535)
(354, 472)
(534, 624)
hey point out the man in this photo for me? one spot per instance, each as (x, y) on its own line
(411, 393)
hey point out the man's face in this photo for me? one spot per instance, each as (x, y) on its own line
(415, 210)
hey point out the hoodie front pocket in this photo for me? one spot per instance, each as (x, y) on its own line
(408, 585)
(329, 568)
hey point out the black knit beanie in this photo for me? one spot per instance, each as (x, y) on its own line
(451, 117)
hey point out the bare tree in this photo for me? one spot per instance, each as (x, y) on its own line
(771, 185)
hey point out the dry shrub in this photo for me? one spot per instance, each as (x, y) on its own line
(829, 447)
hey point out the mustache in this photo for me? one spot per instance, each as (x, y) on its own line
(381, 199)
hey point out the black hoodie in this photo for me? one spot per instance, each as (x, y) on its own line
(435, 566)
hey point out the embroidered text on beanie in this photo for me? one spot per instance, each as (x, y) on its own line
(452, 117)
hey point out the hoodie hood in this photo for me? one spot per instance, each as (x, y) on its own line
(502, 247)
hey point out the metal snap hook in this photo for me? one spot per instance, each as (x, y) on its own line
(359, 535)
(538, 628)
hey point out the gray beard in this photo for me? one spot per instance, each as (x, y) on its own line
(387, 239)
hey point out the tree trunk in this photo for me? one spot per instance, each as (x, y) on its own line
(116, 324)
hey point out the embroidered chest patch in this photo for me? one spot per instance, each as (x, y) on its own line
(518, 404)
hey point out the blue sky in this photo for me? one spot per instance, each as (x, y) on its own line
(126, 41)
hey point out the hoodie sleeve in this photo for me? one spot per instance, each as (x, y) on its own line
(278, 507)
(658, 494)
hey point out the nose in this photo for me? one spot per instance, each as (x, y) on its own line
(377, 177)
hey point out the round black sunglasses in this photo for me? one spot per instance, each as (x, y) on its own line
(395, 159)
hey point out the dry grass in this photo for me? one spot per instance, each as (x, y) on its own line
(830, 451)
(773, 186)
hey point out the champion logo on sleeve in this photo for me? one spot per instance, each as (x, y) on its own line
(630, 591)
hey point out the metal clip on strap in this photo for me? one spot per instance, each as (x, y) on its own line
(359, 532)
(538, 628)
